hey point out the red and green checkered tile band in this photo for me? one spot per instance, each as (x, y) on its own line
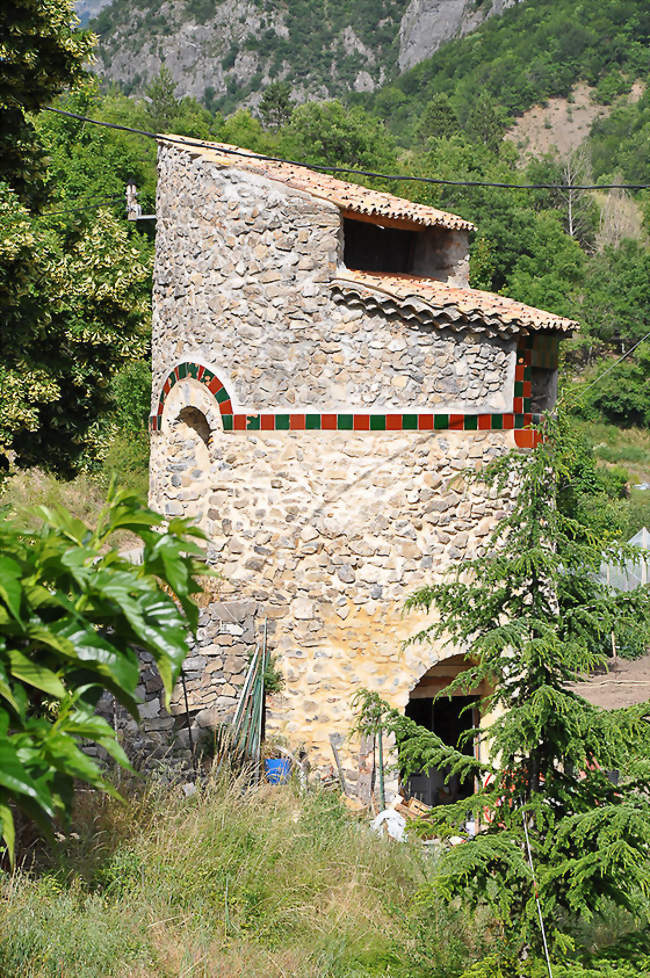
(519, 420)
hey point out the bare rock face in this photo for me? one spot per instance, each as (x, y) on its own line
(428, 24)
(234, 48)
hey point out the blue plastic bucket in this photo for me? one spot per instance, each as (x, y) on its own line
(277, 770)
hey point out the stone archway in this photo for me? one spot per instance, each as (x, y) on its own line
(449, 717)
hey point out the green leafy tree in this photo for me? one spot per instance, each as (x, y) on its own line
(327, 132)
(276, 105)
(439, 119)
(41, 54)
(486, 122)
(529, 615)
(75, 310)
(163, 104)
(73, 615)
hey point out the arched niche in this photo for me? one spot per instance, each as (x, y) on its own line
(191, 430)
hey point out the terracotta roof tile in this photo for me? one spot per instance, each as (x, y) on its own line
(460, 308)
(346, 196)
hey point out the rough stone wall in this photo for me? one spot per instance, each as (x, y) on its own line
(326, 532)
(242, 281)
(214, 673)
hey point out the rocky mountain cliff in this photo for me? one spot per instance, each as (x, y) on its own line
(226, 52)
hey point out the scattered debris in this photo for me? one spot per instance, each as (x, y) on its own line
(389, 821)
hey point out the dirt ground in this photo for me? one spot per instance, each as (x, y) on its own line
(562, 124)
(626, 684)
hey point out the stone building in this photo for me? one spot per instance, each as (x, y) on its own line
(323, 374)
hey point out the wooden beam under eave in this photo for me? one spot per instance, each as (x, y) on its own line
(401, 223)
(427, 690)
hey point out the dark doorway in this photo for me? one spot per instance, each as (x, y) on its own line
(447, 717)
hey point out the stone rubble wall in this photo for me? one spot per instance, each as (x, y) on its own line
(328, 533)
(214, 674)
(325, 532)
(242, 282)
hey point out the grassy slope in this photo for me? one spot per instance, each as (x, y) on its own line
(252, 885)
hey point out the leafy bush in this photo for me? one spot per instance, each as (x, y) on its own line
(131, 393)
(73, 615)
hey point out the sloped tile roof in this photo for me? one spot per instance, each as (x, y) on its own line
(425, 299)
(347, 196)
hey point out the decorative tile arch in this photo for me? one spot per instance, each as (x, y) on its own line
(204, 375)
(520, 420)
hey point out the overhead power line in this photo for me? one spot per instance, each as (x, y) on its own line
(394, 177)
(85, 203)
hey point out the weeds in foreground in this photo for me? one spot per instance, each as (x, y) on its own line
(263, 883)
(268, 883)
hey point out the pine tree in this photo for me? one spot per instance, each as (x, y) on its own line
(532, 618)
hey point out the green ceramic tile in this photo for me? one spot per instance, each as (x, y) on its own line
(227, 422)
(282, 422)
(527, 405)
(182, 370)
(519, 388)
(470, 423)
(253, 422)
(409, 422)
(497, 422)
(440, 421)
(312, 422)
(344, 422)
(222, 395)
(378, 422)
(519, 420)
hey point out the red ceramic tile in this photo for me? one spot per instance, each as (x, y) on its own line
(239, 422)
(167, 387)
(176, 373)
(267, 422)
(225, 407)
(215, 385)
(518, 405)
(524, 439)
(393, 422)
(485, 422)
(361, 422)
(519, 371)
(297, 422)
(456, 422)
(528, 419)
(527, 388)
(201, 370)
(508, 421)
(328, 422)
(425, 422)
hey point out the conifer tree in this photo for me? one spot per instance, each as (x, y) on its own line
(532, 617)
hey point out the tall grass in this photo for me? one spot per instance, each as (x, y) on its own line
(227, 883)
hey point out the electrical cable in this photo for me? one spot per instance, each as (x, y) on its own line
(579, 387)
(395, 177)
(99, 202)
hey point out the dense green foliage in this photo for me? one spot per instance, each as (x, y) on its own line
(41, 53)
(534, 50)
(73, 615)
(531, 618)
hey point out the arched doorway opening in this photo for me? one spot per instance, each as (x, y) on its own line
(449, 717)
